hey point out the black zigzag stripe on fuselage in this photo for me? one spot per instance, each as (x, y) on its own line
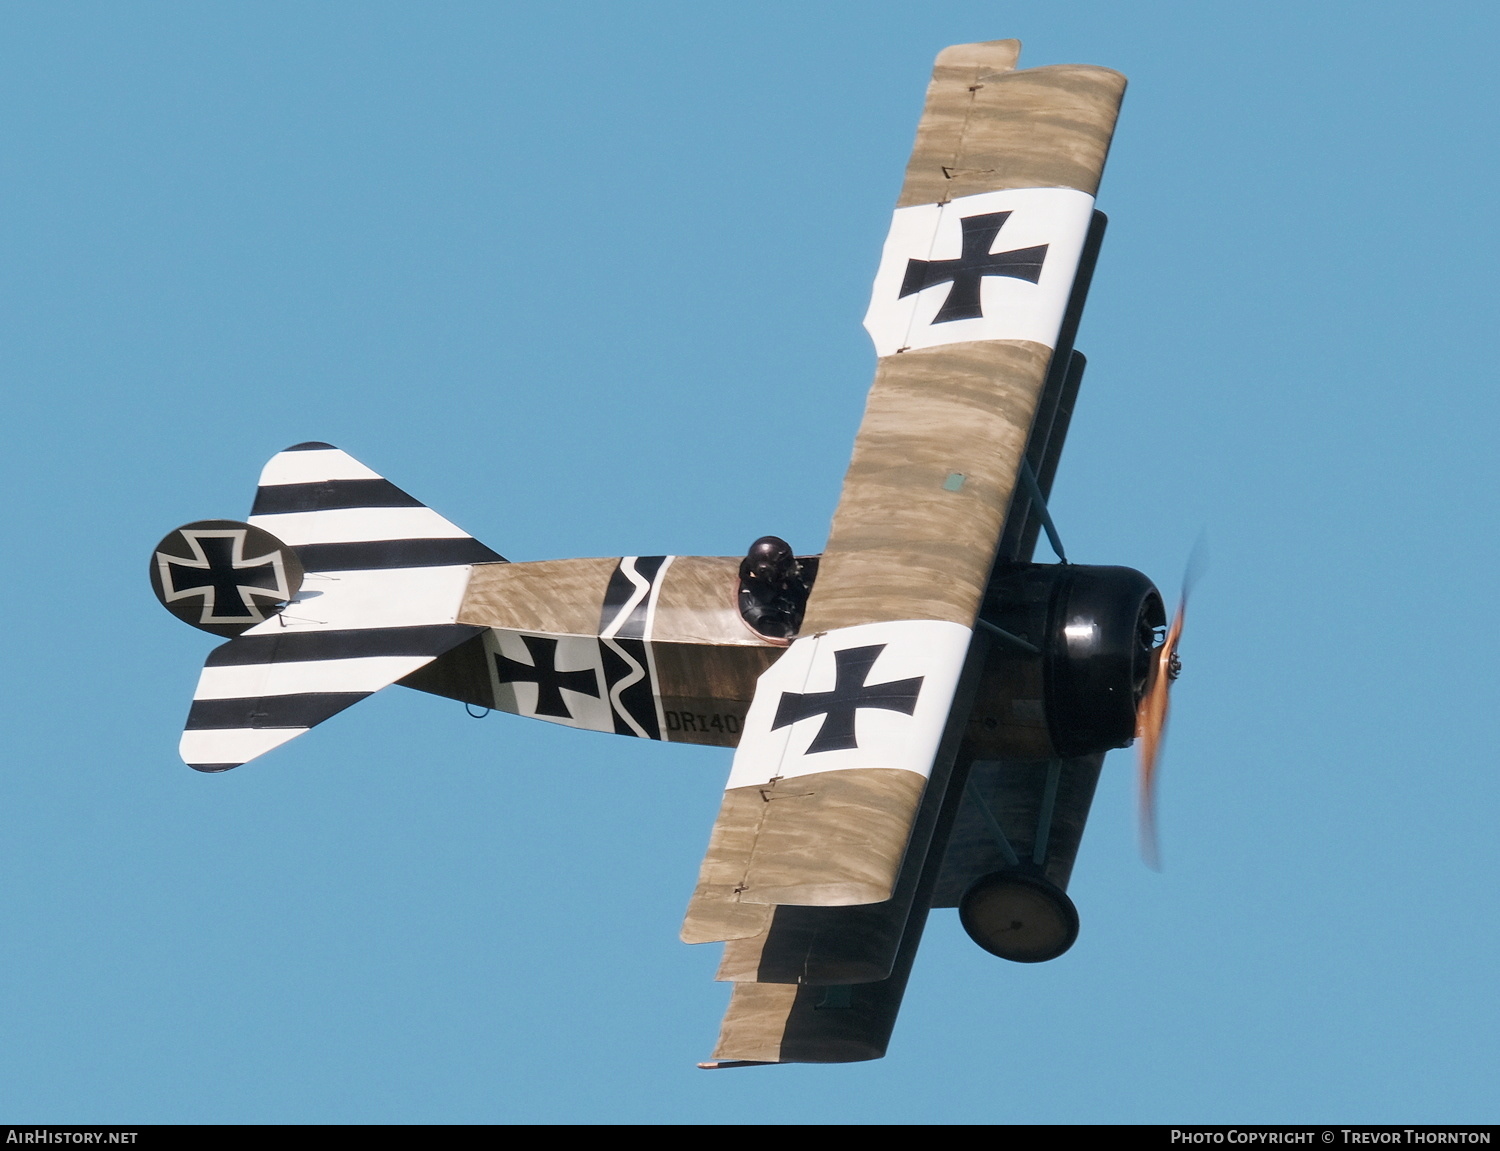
(622, 626)
(375, 555)
(330, 495)
(302, 646)
(639, 699)
(617, 596)
(305, 710)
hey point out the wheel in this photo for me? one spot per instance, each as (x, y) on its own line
(1019, 917)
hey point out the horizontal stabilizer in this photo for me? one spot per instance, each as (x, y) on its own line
(385, 578)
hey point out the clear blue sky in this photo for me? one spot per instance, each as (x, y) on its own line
(588, 279)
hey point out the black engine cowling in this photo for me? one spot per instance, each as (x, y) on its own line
(1093, 631)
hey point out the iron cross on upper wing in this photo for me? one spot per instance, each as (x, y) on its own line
(975, 262)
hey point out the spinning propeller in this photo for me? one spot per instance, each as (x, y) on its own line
(1151, 714)
(1151, 728)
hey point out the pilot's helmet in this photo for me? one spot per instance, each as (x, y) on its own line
(770, 559)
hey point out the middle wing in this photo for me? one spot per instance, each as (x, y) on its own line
(969, 303)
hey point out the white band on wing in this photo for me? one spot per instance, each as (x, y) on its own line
(876, 695)
(996, 266)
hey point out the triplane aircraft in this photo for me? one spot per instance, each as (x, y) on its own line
(919, 714)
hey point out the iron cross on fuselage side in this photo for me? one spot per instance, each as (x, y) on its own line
(543, 672)
(849, 694)
(976, 262)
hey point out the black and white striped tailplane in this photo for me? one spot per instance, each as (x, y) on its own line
(385, 578)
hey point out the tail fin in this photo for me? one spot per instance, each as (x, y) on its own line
(385, 578)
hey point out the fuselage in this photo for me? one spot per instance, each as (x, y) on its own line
(646, 646)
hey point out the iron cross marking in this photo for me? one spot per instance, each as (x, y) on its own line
(224, 577)
(966, 272)
(543, 672)
(849, 694)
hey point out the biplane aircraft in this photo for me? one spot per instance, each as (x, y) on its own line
(919, 713)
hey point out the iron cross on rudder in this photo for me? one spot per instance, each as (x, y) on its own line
(226, 581)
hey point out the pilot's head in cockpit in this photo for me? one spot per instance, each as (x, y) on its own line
(770, 561)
